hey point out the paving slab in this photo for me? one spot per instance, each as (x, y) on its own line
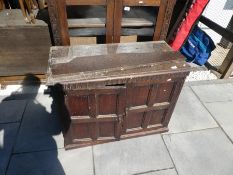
(8, 134)
(223, 113)
(162, 172)
(2, 97)
(40, 128)
(201, 152)
(214, 92)
(190, 114)
(131, 156)
(12, 111)
(61, 162)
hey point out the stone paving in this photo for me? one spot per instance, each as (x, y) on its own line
(199, 142)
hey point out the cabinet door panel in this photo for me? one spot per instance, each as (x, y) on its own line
(98, 114)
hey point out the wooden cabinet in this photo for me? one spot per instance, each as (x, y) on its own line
(108, 18)
(116, 91)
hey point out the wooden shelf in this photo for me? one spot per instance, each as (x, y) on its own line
(75, 32)
(100, 22)
(86, 22)
(141, 3)
(87, 32)
(140, 31)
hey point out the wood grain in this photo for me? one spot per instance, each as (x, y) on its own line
(58, 20)
(109, 21)
(85, 2)
(141, 3)
(133, 99)
(24, 48)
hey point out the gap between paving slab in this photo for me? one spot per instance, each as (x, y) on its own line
(56, 162)
(131, 156)
(190, 114)
(214, 92)
(201, 152)
(219, 124)
(222, 112)
(170, 171)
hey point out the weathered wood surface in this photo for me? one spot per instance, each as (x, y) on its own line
(86, 63)
(14, 17)
(24, 48)
(116, 91)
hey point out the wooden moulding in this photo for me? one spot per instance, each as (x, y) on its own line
(163, 19)
(58, 20)
(115, 91)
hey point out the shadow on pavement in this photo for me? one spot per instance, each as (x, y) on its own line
(28, 145)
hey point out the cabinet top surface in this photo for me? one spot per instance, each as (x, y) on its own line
(13, 18)
(106, 61)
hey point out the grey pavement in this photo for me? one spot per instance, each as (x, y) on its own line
(199, 141)
(40, 128)
(190, 114)
(132, 156)
(8, 133)
(223, 113)
(201, 152)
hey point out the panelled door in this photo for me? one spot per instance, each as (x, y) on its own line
(96, 115)
(149, 106)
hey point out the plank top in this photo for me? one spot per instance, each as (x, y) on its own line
(103, 62)
(14, 18)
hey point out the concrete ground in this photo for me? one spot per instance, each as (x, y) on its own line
(200, 140)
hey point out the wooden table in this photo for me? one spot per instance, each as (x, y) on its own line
(24, 48)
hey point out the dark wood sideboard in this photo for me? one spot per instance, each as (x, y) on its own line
(111, 92)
